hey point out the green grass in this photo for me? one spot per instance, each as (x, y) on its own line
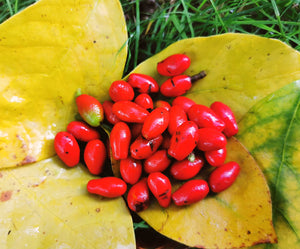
(155, 24)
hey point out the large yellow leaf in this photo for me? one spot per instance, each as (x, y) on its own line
(271, 131)
(240, 216)
(48, 51)
(46, 205)
(241, 69)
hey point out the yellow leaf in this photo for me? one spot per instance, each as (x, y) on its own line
(239, 216)
(241, 69)
(46, 205)
(271, 132)
(48, 51)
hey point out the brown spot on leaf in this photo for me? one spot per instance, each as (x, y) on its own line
(28, 159)
(1, 175)
(5, 196)
(97, 210)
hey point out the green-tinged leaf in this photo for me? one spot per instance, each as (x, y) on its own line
(48, 51)
(271, 131)
(241, 69)
(46, 205)
(239, 216)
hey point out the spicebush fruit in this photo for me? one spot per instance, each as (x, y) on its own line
(67, 148)
(173, 65)
(109, 186)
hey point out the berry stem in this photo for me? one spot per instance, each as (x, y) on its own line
(198, 76)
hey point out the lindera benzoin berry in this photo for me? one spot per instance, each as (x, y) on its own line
(157, 137)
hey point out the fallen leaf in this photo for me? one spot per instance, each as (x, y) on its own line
(48, 51)
(271, 132)
(46, 205)
(239, 216)
(241, 69)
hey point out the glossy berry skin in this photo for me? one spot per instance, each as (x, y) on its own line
(120, 138)
(184, 141)
(176, 86)
(216, 157)
(121, 90)
(67, 148)
(190, 192)
(226, 114)
(82, 131)
(186, 169)
(143, 83)
(144, 100)
(173, 65)
(162, 103)
(109, 115)
(157, 162)
(90, 109)
(130, 112)
(223, 176)
(142, 148)
(94, 156)
(184, 102)
(156, 123)
(138, 197)
(177, 118)
(109, 186)
(160, 186)
(211, 139)
(131, 170)
(203, 116)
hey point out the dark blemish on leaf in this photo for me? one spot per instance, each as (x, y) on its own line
(248, 232)
(6, 196)
(250, 58)
(94, 41)
(97, 210)
(268, 54)
(28, 159)
(228, 47)
(1, 175)
(225, 229)
(71, 203)
(107, 37)
(9, 232)
(224, 78)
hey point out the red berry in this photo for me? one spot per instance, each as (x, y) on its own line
(173, 65)
(90, 109)
(184, 102)
(211, 139)
(142, 148)
(160, 186)
(184, 140)
(216, 157)
(190, 192)
(223, 176)
(187, 168)
(67, 148)
(177, 118)
(144, 100)
(109, 186)
(156, 123)
(130, 112)
(143, 83)
(82, 131)
(157, 162)
(226, 114)
(176, 86)
(138, 197)
(120, 138)
(203, 116)
(109, 115)
(131, 170)
(162, 103)
(94, 156)
(121, 90)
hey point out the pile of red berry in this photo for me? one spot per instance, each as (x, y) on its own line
(155, 142)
